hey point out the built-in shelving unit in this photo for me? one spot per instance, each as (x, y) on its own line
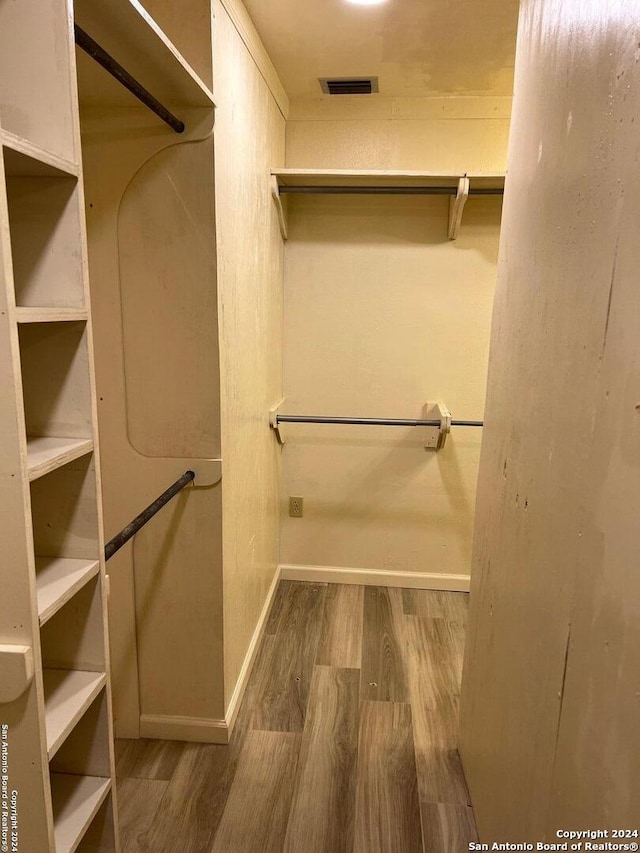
(53, 606)
(459, 187)
(54, 589)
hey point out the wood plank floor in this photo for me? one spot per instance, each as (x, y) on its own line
(346, 741)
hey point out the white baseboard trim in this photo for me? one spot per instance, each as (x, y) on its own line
(198, 729)
(243, 678)
(202, 730)
(375, 577)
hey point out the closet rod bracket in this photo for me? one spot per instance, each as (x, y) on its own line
(281, 207)
(456, 207)
(274, 423)
(436, 436)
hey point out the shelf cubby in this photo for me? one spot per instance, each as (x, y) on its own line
(44, 226)
(36, 100)
(68, 694)
(56, 381)
(57, 581)
(64, 512)
(76, 802)
(86, 753)
(73, 638)
(87, 750)
(74, 662)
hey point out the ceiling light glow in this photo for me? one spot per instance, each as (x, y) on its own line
(366, 2)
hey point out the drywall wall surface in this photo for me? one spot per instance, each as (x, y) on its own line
(464, 134)
(549, 720)
(382, 315)
(249, 141)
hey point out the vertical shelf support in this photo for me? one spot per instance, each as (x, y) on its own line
(280, 207)
(456, 207)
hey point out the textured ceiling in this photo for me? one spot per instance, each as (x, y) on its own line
(416, 47)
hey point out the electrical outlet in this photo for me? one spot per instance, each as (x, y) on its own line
(296, 507)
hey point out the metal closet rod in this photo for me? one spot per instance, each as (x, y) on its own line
(313, 419)
(95, 51)
(327, 190)
(146, 515)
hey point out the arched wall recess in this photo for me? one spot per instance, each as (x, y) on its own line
(167, 259)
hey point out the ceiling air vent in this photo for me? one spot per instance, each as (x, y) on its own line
(349, 85)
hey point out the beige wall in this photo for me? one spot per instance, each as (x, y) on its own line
(382, 314)
(249, 141)
(438, 134)
(549, 729)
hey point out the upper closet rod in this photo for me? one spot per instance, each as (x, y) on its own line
(326, 190)
(84, 41)
(312, 419)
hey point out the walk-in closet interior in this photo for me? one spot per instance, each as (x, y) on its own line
(318, 377)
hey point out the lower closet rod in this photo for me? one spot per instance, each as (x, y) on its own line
(312, 419)
(146, 515)
(95, 51)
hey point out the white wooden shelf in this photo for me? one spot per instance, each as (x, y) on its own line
(25, 160)
(45, 454)
(51, 315)
(57, 581)
(384, 178)
(127, 31)
(76, 801)
(67, 693)
(458, 186)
